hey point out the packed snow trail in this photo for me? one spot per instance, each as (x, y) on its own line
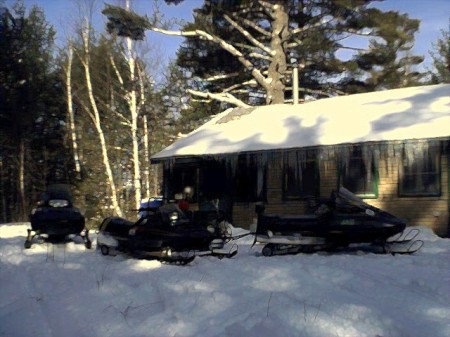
(316, 295)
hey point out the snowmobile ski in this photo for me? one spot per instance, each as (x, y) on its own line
(177, 260)
(221, 253)
(403, 247)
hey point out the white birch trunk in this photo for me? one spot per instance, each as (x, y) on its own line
(131, 100)
(147, 159)
(70, 112)
(98, 126)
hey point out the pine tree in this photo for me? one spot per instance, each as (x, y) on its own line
(32, 132)
(242, 51)
(441, 58)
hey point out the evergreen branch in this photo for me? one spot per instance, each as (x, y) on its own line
(248, 36)
(351, 48)
(221, 97)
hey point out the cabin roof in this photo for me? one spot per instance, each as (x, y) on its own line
(399, 114)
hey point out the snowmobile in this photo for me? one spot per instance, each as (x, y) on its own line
(337, 222)
(167, 233)
(56, 219)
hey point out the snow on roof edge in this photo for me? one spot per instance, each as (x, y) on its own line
(390, 115)
(225, 154)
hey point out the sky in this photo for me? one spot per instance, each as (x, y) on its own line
(434, 16)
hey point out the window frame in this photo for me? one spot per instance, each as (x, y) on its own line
(300, 194)
(437, 173)
(247, 169)
(356, 154)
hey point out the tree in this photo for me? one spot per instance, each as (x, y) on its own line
(31, 116)
(241, 51)
(441, 58)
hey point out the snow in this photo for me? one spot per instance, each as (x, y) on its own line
(51, 291)
(399, 114)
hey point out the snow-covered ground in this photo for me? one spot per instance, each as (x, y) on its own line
(52, 291)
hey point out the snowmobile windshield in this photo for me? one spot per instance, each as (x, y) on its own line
(171, 213)
(345, 197)
(58, 192)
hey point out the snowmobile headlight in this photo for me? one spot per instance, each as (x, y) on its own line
(370, 212)
(174, 216)
(269, 234)
(58, 203)
(167, 252)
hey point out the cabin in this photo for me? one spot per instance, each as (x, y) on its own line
(390, 148)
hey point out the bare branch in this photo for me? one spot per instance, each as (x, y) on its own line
(225, 45)
(305, 28)
(113, 63)
(248, 36)
(221, 77)
(268, 7)
(252, 25)
(238, 85)
(222, 97)
(260, 56)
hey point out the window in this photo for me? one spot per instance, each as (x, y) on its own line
(212, 180)
(181, 177)
(419, 174)
(300, 176)
(249, 179)
(359, 175)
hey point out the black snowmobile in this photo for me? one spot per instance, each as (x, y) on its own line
(55, 219)
(167, 233)
(338, 222)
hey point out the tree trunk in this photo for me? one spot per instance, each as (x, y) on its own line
(98, 126)
(70, 110)
(147, 159)
(4, 218)
(278, 66)
(131, 99)
(22, 179)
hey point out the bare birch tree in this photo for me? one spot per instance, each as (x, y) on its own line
(93, 113)
(70, 112)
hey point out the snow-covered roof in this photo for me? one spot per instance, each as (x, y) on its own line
(399, 114)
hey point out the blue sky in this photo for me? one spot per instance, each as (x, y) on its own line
(434, 16)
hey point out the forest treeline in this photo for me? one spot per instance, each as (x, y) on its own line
(92, 110)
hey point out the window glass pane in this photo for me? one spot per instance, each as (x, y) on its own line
(213, 180)
(249, 182)
(181, 177)
(419, 175)
(358, 178)
(300, 177)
